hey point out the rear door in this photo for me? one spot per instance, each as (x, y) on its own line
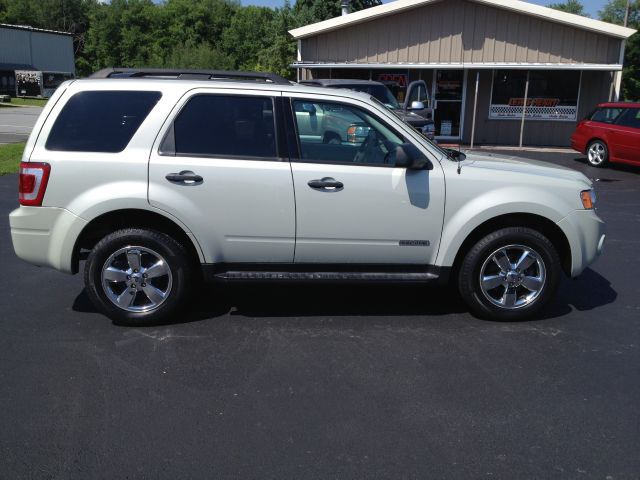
(217, 167)
(602, 125)
(625, 136)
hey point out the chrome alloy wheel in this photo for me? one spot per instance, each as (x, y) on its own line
(512, 277)
(136, 279)
(597, 153)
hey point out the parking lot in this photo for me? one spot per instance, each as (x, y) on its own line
(304, 381)
(16, 123)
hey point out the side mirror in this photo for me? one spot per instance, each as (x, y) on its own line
(456, 155)
(417, 106)
(410, 157)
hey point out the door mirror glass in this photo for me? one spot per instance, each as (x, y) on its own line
(410, 157)
(417, 106)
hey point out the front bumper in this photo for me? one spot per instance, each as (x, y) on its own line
(45, 236)
(586, 233)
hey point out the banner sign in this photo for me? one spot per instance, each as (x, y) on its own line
(537, 109)
(402, 79)
(534, 102)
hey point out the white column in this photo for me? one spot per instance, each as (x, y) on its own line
(618, 75)
(475, 108)
(524, 107)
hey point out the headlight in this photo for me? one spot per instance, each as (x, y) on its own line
(588, 198)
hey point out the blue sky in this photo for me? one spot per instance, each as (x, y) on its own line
(591, 6)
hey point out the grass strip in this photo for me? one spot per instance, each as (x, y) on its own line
(26, 102)
(10, 156)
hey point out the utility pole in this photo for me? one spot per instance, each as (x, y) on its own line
(626, 12)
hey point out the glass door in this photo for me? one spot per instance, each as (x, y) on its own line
(448, 93)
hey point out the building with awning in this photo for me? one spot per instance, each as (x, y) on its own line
(505, 71)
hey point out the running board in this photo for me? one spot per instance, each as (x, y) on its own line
(383, 277)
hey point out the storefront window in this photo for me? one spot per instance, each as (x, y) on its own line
(553, 95)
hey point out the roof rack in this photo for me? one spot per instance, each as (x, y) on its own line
(187, 74)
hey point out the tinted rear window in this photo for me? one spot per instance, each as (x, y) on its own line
(224, 126)
(606, 115)
(101, 121)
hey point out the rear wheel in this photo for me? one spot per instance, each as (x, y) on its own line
(138, 277)
(597, 153)
(509, 274)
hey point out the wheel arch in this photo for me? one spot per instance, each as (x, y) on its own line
(536, 222)
(131, 218)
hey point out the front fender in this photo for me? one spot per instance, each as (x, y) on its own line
(462, 218)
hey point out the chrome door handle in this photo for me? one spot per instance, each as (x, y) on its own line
(186, 177)
(327, 183)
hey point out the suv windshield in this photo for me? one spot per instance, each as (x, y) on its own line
(380, 92)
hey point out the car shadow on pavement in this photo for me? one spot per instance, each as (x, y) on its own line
(589, 291)
(602, 172)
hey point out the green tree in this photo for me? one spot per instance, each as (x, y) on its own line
(202, 56)
(122, 33)
(570, 6)
(249, 33)
(281, 51)
(614, 12)
(194, 22)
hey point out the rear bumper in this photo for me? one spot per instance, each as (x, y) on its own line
(45, 236)
(586, 233)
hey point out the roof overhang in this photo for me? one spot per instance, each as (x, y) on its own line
(518, 6)
(459, 66)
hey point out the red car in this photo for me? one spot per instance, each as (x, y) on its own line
(611, 133)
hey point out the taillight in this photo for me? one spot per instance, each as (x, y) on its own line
(32, 183)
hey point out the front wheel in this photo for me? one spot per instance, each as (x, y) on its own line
(138, 277)
(509, 274)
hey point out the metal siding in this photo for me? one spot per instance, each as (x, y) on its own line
(452, 31)
(52, 52)
(14, 46)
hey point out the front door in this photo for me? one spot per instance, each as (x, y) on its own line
(217, 168)
(448, 95)
(353, 205)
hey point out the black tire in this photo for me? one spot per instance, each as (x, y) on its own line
(597, 153)
(177, 268)
(511, 242)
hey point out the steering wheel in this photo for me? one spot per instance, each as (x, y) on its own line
(366, 149)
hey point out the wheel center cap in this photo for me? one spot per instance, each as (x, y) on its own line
(513, 277)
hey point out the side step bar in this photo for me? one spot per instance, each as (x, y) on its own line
(382, 277)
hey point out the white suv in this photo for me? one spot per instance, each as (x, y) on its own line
(160, 178)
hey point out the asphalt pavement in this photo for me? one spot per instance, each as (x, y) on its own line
(341, 382)
(16, 123)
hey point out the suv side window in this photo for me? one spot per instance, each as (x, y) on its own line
(100, 121)
(340, 133)
(630, 118)
(223, 126)
(606, 115)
